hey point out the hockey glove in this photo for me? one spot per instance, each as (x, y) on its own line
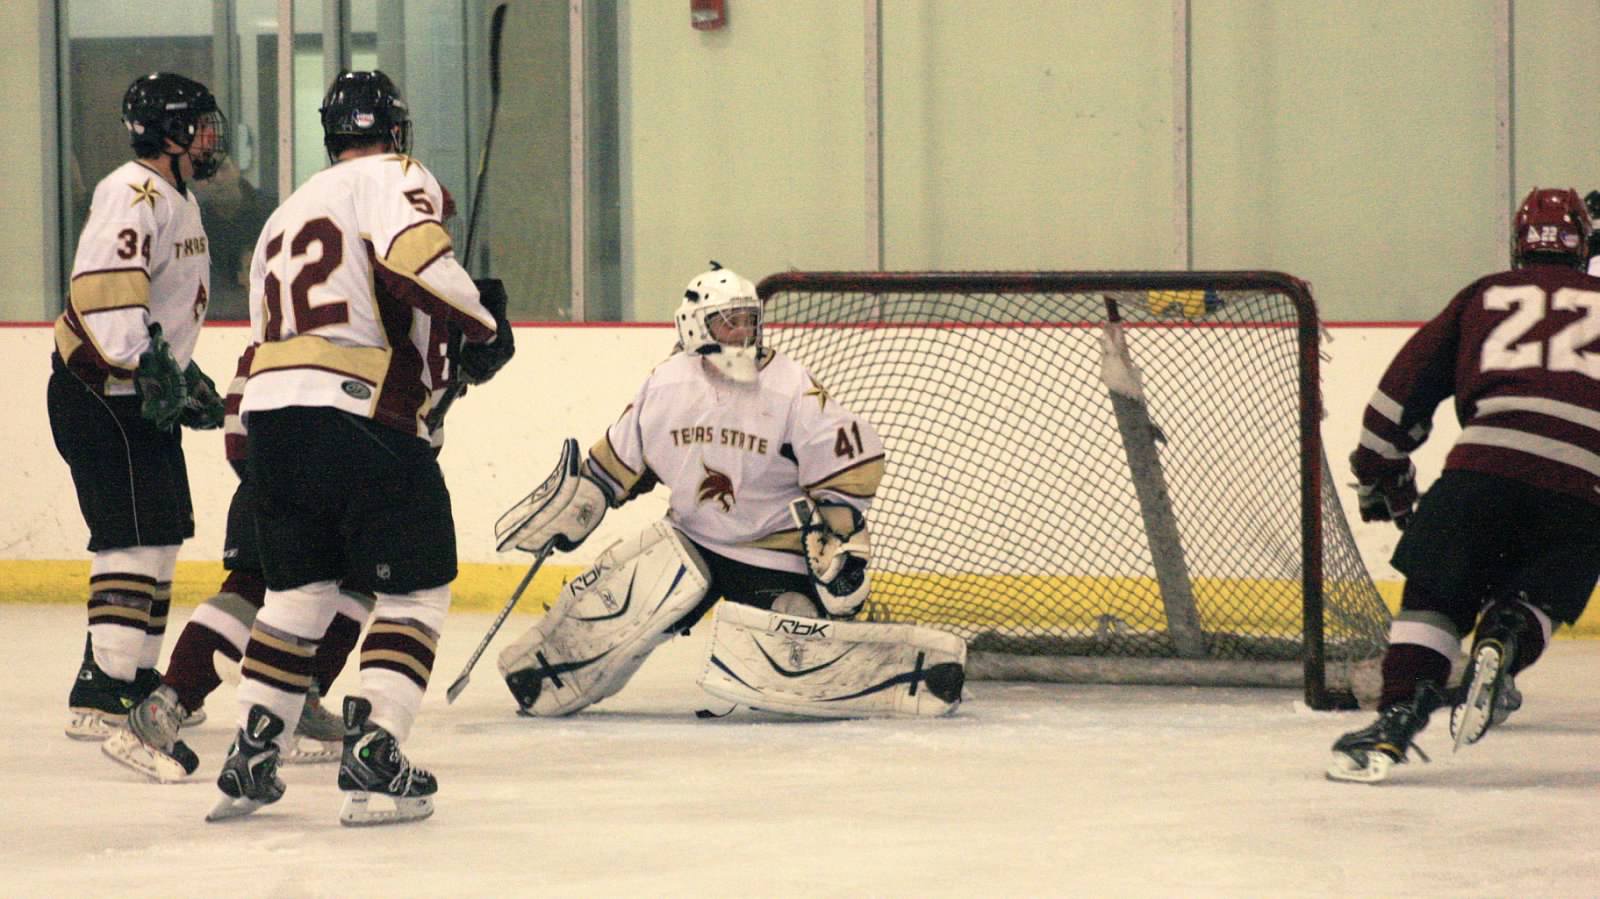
(481, 361)
(837, 561)
(1391, 497)
(159, 383)
(202, 407)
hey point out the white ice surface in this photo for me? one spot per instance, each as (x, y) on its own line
(1032, 790)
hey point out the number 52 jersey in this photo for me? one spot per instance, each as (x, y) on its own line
(735, 455)
(353, 283)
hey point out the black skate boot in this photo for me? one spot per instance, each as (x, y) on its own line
(1366, 755)
(148, 743)
(1490, 696)
(249, 777)
(373, 763)
(318, 736)
(99, 703)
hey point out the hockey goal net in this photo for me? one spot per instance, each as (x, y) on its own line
(1103, 476)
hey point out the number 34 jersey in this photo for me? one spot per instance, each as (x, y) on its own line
(352, 286)
(142, 258)
(1520, 351)
(735, 455)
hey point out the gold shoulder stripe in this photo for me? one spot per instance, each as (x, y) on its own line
(860, 479)
(368, 364)
(106, 290)
(415, 248)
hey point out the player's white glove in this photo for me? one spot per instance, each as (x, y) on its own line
(837, 561)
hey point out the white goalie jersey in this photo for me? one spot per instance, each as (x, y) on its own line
(142, 257)
(352, 286)
(734, 456)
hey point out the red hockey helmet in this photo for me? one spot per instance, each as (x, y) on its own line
(1553, 224)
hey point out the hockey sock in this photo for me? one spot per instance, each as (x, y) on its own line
(221, 624)
(278, 661)
(1533, 632)
(155, 632)
(1405, 666)
(343, 634)
(398, 654)
(123, 586)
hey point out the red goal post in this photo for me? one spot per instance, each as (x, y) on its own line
(1099, 476)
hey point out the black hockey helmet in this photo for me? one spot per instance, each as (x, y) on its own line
(163, 106)
(362, 107)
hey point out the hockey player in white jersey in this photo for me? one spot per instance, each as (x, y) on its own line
(352, 287)
(123, 383)
(771, 478)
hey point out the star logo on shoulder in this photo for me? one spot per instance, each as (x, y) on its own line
(818, 391)
(406, 162)
(144, 193)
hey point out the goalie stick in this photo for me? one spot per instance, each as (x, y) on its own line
(460, 682)
(457, 387)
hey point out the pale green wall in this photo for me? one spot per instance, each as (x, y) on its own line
(1027, 135)
(27, 278)
(744, 145)
(1351, 144)
(1557, 80)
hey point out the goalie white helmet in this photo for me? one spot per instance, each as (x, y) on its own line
(720, 320)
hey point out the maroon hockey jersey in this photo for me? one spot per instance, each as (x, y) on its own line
(1520, 351)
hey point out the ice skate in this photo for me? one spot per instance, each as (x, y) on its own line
(318, 736)
(1491, 695)
(98, 704)
(249, 777)
(373, 764)
(148, 742)
(1367, 755)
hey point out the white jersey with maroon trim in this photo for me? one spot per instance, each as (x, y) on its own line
(142, 257)
(735, 455)
(352, 284)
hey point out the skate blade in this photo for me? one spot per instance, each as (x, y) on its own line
(126, 749)
(229, 808)
(1470, 720)
(91, 725)
(306, 751)
(358, 810)
(1346, 768)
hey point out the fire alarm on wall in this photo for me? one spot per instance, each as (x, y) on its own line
(708, 15)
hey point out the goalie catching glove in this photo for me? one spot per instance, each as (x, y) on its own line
(834, 536)
(560, 513)
(1388, 497)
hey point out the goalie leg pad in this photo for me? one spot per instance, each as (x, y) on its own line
(605, 623)
(833, 669)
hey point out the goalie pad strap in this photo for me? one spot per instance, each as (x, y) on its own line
(605, 622)
(832, 669)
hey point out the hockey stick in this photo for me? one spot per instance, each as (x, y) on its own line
(457, 387)
(460, 682)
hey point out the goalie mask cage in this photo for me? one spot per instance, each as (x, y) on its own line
(1110, 477)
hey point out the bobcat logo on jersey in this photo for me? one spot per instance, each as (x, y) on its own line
(716, 486)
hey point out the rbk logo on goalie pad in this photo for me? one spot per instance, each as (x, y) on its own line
(589, 644)
(833, 669)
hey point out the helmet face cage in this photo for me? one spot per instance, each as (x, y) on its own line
(1551, 225)
(162, 107)
(713, 301)
(361, 108)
